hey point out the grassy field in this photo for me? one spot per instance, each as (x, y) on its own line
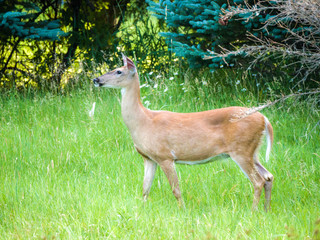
(65, 175)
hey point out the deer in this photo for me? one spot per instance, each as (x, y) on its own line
(167, 138)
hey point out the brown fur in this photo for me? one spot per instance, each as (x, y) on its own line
(163, 137)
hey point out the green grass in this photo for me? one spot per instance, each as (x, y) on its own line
(64, 175)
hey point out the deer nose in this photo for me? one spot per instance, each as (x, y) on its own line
(96, 81)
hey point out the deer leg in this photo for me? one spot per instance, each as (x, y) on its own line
(249, 169)
(268, 183)
(267, 189)
(168, 168)
(150, 168)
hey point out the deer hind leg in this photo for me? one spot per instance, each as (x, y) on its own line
(249, 169)
(168, 168)
(268, 183)
(150, 168)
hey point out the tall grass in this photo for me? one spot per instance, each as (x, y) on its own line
(65, 175)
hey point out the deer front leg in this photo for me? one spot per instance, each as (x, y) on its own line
(168, 168)
(150, 168)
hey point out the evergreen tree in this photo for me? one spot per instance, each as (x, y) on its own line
(17, 19)
(35, 51)
(198, 28)
(20, 21)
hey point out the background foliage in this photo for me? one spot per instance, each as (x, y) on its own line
(46, 44)
(83, 30)
(217, 33)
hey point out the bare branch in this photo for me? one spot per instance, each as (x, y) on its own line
(253, 110)
(300, 20)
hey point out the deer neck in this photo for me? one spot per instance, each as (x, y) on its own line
(133, 112)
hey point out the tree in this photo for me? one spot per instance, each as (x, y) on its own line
(295, 38)
(205, 29)
(195, 28)
(39, 40)
(19, 21)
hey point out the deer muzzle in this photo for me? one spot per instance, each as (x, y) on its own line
(96, 82)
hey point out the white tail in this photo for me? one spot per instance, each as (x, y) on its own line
(165, 138)
(269, 136)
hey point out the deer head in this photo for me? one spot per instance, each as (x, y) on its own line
(119, 77)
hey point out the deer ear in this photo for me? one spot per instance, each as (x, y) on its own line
(124, 58)
(130, 65)
(127, 62)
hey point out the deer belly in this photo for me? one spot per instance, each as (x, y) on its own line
(203, 161)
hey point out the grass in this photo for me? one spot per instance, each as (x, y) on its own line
(64, 175)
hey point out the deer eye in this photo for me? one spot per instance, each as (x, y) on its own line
(119, 72)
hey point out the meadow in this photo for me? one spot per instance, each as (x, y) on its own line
(66, 175)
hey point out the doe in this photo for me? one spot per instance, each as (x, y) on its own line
(165, 138)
